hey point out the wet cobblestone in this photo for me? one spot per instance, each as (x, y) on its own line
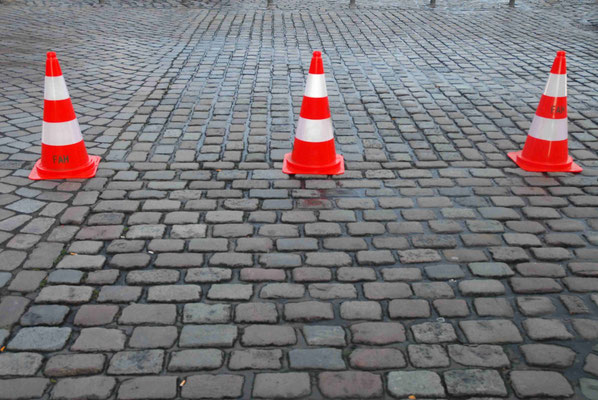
(432, 268)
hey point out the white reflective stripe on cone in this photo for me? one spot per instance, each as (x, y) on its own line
(61, 133)
(548, 129)
(55, 88)
(314, 130)
(316, 86)
(556, 85)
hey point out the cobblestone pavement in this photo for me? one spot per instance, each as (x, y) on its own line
(191, 267)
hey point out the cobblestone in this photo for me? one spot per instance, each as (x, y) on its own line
(415, 383)
(99, 339)
(76, 364)
(474, 382)
(99, 387)
(193, 360)
(540, 383)
(432, 253)
(20, 364)
(136, 362)
(161, 387)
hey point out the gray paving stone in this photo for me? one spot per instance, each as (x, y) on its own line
(130, 260)
(444, 272)
(148, 387)
(27, 281)
(493, 307)
(591, 364)
(377, 333)
(255, 359)
(547, 355)
(433, 332)
(541, 269)
(408, 308)
(308, 311)
(98, 387)
(160, 314)
(581, 285)
(491, 269)
(479, 356)
(535, 285)
(149, 337)
(26, 206)
(546, 329)
(256, 313)
(266, 335)
(231, 260)
(432, 290)
(204, 275)
(67, 276)
(86, 246)
(329, 291)
(401, 274)
(451, 307)
(474, 382)
(535, 305)
(208, 336)
(5, 277)
(589, 388)
(586, 328)
(230, 292)
(547, 384)
(99, 339)
(322, 335)
(199, 313)
(194, 360)
(261, 275)
(322, 358)
(74, 364)
(11, 309)
(491, 331)
(287, 385)
(44, 315)
(136, 362)
(366, 310)
(23, 388)
(12, 259)
(415, 383)
(119, 294)
(40, 339)
(65, 294)
(428, 356)
(92, 315)
(20, 364)
(350, 384)
(152, 276)
(174, 293)
(386, 290)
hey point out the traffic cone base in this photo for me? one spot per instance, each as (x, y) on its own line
(39, 172)
(64, 155)
(528, 164)
(335, 168)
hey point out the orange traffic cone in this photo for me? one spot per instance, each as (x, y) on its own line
(63, 150)
(546, 147)
(313, 151)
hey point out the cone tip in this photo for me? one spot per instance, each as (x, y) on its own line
(51, 54)
(560, 53)
(317, 54)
